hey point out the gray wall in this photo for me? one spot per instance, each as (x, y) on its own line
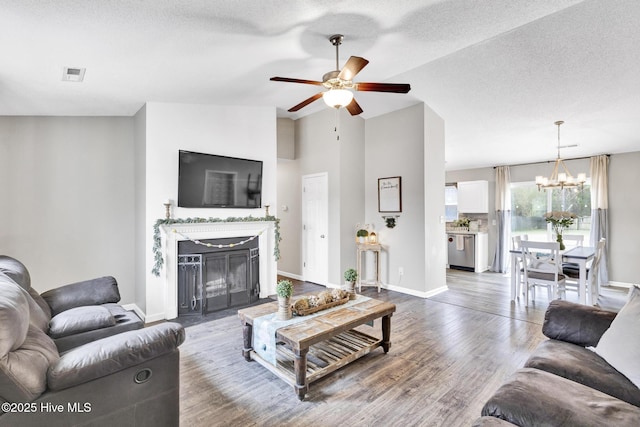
(406, 143)
(318, 150)
(395, 147)
(624, 206)
(289, 196)
(624, 213)
(289, 208)
(68, 198)
(140, 187)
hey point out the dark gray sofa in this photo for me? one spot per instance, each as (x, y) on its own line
(77, 313)
(128, 379)
(564, 383)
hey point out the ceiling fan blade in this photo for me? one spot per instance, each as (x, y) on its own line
(354, 107)
(287, 79)
(353, 66)
(383, 87)
(306, 102)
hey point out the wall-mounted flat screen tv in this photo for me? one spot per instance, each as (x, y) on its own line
(211, 181)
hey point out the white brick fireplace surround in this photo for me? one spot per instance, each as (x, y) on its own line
(216, 230)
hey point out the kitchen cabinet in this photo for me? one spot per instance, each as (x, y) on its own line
(473, 197)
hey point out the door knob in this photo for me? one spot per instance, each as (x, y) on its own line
(322, 236)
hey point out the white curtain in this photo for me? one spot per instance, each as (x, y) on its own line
(503, 220)
(600, 211)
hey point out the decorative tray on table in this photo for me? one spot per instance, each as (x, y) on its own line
(324, 300)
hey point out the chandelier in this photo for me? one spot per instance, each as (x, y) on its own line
(559, 179)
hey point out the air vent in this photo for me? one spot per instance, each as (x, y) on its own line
(72, 74)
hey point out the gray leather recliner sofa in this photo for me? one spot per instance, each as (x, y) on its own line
(131, 378)
(77, 313)
(563, 382)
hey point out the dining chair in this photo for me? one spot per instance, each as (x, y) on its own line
(543, 268)
(572, 273)
(515, 244)
(573, 240)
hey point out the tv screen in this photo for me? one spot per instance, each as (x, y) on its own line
(211, 181)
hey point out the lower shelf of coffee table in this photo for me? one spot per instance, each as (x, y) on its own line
(324, 357)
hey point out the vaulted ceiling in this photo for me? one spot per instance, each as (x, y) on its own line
(499, 72)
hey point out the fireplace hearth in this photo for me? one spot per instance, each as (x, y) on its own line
(211, 278)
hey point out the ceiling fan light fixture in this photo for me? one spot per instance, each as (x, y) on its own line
(337, 98)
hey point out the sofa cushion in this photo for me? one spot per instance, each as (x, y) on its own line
(88, 292)
(125, 321)
(620, 344)
(16, 271)
(575, 323)
(41, 302)
(80, 319)
(37, 317)
(532, 397)
(581, 365)
(23, 372)
(14, 315)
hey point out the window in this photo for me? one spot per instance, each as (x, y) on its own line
(528, 206)
(450, 203)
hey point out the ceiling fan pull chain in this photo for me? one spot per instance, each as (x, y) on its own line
(336, 128)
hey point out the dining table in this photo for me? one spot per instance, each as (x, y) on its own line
(579, 255)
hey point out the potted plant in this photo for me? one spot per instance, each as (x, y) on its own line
(284, 290)
(350, 276)
(362, 235)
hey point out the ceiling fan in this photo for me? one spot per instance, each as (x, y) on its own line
(339, 82)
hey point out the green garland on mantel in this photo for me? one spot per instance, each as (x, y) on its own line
(157, 241)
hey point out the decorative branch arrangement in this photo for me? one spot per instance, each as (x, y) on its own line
(157, 241)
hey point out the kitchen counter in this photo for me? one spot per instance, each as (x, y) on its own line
(466, 232)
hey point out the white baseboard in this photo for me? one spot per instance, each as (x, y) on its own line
(134, 307)
(291, 275)
(621, 284)
(415, 293)
(154, 318)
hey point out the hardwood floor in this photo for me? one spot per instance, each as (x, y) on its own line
(449, 354)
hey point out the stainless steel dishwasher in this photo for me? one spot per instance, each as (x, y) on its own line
(461, 250)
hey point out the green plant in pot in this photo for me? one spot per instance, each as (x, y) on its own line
(350, 276)
(362, 235)
(284, 290)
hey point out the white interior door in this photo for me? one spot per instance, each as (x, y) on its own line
(315, 220)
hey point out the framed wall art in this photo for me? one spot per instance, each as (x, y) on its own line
(390, 194)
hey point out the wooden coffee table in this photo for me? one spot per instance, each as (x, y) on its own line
(318, 346)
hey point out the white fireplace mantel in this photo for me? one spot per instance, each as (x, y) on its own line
(173, 233)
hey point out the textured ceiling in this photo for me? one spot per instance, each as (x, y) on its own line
(498, 72)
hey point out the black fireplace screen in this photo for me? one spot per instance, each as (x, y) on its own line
(216, 278)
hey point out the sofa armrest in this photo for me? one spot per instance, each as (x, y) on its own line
(98, 291)
(575, 323)
(109, 355)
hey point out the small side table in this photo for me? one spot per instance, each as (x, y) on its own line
(363, 248)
